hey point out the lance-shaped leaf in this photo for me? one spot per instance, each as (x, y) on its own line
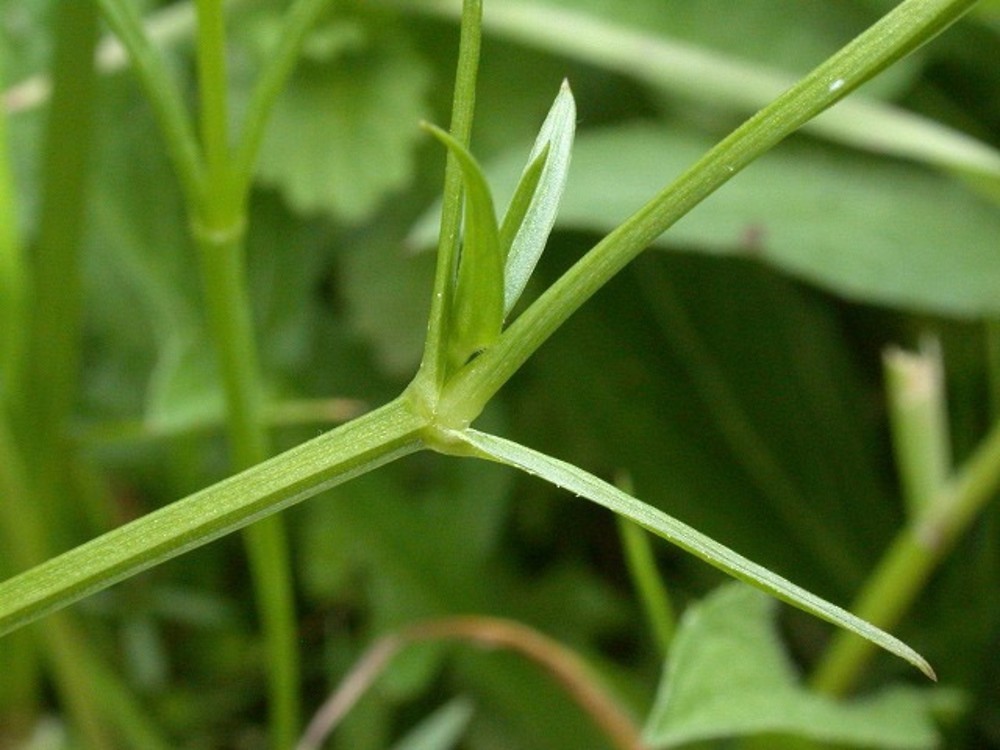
(477, 307)
(531, 222)
(586, 485)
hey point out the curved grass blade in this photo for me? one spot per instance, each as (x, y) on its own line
(477, 311)
(556, 139)
(581, 483)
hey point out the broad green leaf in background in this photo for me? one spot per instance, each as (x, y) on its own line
(583, 484)
(877, 231)
(728, 675)
(555, 140)
(342, 135)
(747, 412)
(645, 48)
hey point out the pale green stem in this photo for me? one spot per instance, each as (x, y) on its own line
(899, 578)
(905, 28)
(219, 229)
(646, 578)
(433, 367)
(919, 422)
(348, 451)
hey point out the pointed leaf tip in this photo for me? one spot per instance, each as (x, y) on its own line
(531, 224)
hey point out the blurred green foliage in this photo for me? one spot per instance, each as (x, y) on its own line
(733, 373)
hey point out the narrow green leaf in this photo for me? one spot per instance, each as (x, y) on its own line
(477, 312)
(556, 139)
(521, 201)
(581, 483)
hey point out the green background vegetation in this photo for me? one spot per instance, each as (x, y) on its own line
(732, 375)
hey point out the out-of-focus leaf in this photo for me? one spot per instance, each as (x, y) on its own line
(555, 139)
(876, 231)
(728, 676)
(441, 730)
(583, 484)
(342, 135)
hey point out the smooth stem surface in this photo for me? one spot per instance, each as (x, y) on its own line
(348, 451)
(899, 578)
(919, 422)
(220, 221)
(229, 318)
(904, 29)
(433, 367)
(163, 94)
(53, 349)
(217, 210)
(648, 583)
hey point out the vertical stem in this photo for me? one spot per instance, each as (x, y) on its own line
(434, 364)
(229, 318)
(899, 578)
(213, 113)
(52, 346)
(219, 227)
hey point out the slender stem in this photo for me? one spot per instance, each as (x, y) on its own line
(919, 421)
(165, 98)
(899, 578)
(364, 444)
(216, 207)
(905, 28)
(229, 318)
(647, 581)
(433, 367)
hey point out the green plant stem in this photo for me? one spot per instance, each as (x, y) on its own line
(165, 98)
(229, 317)
(219, 229)
(919, 421)
(216, 207)
(434, 365)
(899, 578)
(355, 448)
(648, 583)
(905, 28)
